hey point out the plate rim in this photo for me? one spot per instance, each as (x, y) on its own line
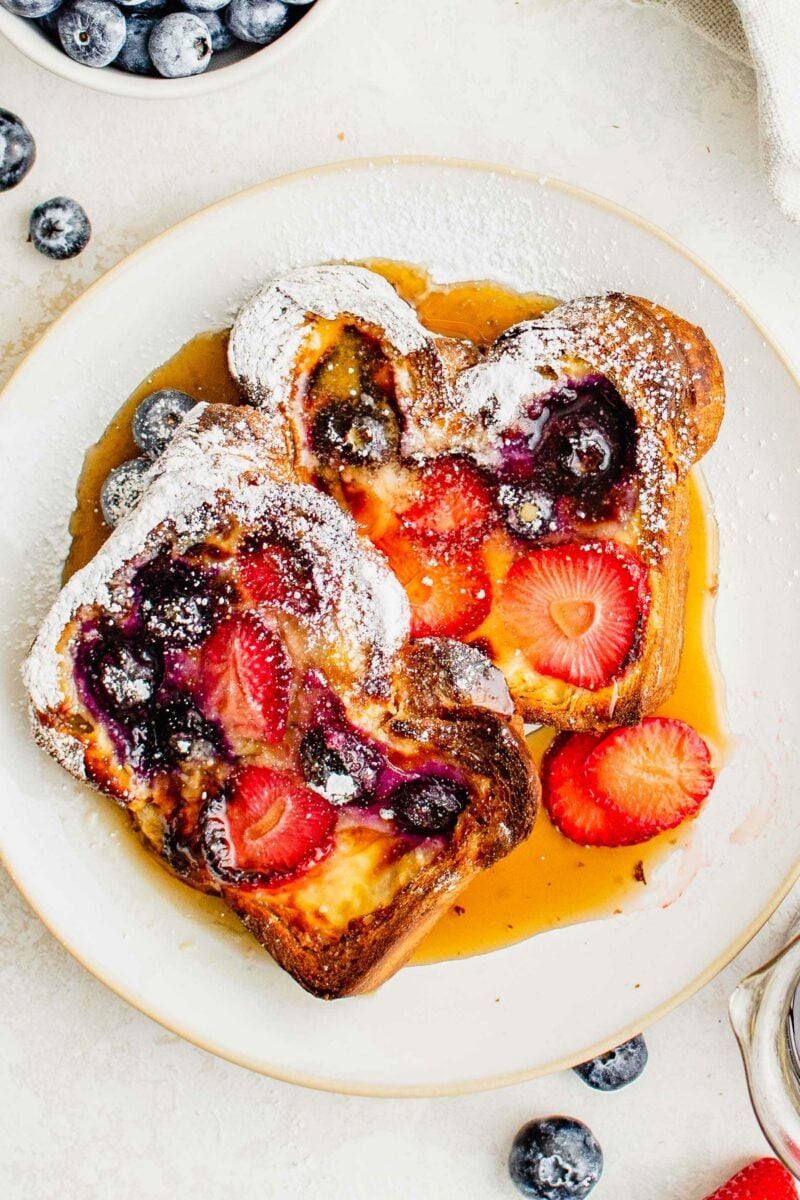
(726, 956)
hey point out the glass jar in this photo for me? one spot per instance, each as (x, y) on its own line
(765, 1013)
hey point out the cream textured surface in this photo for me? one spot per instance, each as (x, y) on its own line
(766, 33)
(96, 1100)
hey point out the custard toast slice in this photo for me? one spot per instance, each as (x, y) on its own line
(533, 504)
(233, 668)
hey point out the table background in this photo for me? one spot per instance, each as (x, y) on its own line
(95, 1099)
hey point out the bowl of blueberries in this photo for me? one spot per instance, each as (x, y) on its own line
(156, 48)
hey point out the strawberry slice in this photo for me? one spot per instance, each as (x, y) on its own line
(576, 610)
(273, 576)
(571, 806)
(655, 774)
(452, 497)
(246, 678)
(764, 1179)
(269, 824)
(448, 589)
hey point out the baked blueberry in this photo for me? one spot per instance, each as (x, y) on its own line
(17, 150)
(183, 735)
(135, 54)
(158, 416)
(556, 1158)
(339, 763)
(428, 804)
(122, 489)
(180, 45)
(361, 432)
(92, 32)
(258, 21)
(59, 228)
(122, 673)
(527, 509)
(616, 1069)
(178, 602)
(586, 442)
(221, 36)
(30, 8)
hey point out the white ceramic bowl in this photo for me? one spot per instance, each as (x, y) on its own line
(227, 67)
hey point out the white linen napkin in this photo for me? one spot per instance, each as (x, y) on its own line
(765, 33)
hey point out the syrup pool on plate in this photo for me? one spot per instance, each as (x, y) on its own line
(549, 881)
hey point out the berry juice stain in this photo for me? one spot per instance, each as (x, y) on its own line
(549, 881)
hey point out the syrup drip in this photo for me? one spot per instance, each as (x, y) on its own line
(548, 881)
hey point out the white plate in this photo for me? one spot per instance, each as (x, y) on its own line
(549, 1001)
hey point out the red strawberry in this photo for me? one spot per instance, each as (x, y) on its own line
(448, 589)
(269, 823)
(570, 804)
(273, 576)
(576, 610)
(655, 774)
(246, 678)
(451, 497)
(764, 1179)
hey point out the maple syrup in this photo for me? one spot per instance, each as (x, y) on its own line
(549, 881)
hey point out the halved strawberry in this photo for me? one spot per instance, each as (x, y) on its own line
(246, 678)
(656, 773)
(273, 575)
(764, 1179)
(571, 806)
(450, 497)
(268, 823)
(576, 610)
(448, 589)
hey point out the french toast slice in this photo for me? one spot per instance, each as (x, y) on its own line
(534, 503)
(233, 668)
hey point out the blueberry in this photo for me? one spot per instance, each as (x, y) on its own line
(362, 432)
(585, 440)
(259, 21)
(49, 25)
(122, 490)
(30, 8)
(339, 763)
(17, 150)
(617, 1068)
(221, 36)
(91, 31)
(129, 7)
(427, 804)
(201, 7)
(59, 228)
(157, 418)
(527, 509)
(179, 603)
(122, 673)
(183, 735)
(134, 55)
(180, 45)
(556, 1158)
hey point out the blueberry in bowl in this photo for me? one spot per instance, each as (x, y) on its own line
(204, 46)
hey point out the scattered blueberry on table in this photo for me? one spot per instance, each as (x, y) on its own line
(616, 1069)
(17, 150)
(59, 228)
(555, 1158)
(182, 40)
